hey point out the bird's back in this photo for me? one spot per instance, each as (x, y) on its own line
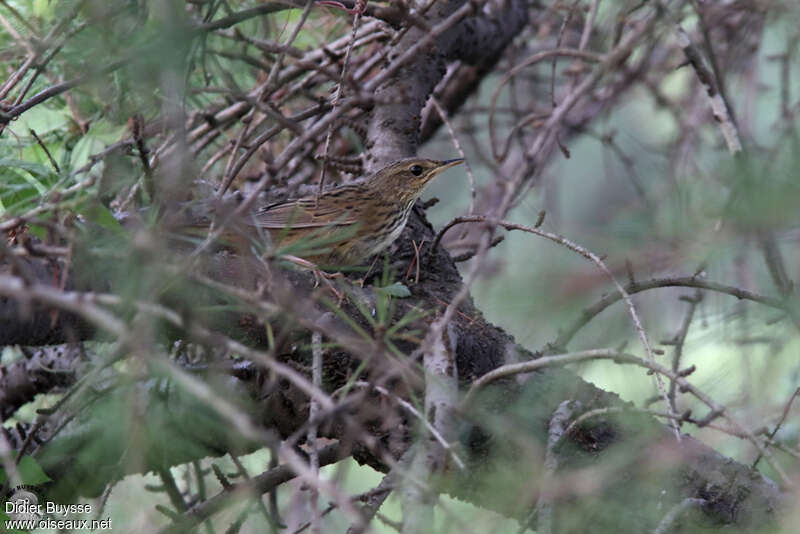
(323, 229)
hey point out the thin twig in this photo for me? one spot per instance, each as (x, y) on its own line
(589, 25)
(279, 60)
(457, 144)
(786, 409)
(260, 485)
(670, 517)
(600, 264)
(679, 341)
(716, 409)
(46, 151)
(556, 431)
(413, 411)
(336, 98)
(532, 60)
(718, 105)
(316, 376)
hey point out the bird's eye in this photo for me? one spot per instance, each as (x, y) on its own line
(416, 170)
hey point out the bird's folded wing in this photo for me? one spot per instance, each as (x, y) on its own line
(304, 213)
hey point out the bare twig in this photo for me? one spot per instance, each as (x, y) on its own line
(679, 341)
(457, 144)
(718, 105)
(316, 376)
(666, 523)
(786, 409)
(337, 97)
(46, 151)
(600, 264)
(716, 409)
(260, 485)
(556, 430)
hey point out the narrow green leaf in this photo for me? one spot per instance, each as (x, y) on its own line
(31, 473)
(396, 289)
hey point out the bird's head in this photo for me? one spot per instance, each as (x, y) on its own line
(406, 178)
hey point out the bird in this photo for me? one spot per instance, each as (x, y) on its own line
(345, 225)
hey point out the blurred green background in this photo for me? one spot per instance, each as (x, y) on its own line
(531, 287)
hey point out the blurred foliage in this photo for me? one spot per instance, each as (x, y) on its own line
(662, 214)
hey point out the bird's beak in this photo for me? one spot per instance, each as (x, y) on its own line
(446, 164)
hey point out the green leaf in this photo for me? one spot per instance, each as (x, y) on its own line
(395, 290)
(18, 186)
(99, 215)
(102, 133)
(38, 231)
(43, 9)
(31, 473)
(83, 150)
(37, 170)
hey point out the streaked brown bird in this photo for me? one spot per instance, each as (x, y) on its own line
(347, 224)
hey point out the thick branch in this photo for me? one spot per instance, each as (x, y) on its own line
(491, 445)
(415, 68)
